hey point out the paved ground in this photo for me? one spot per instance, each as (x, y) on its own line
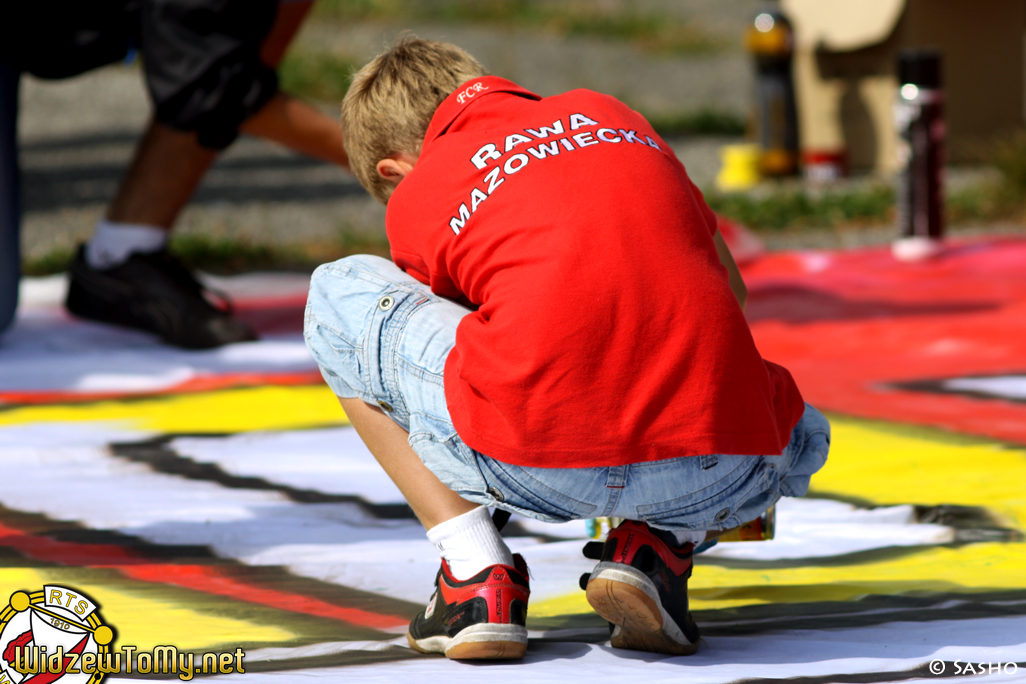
(78, 134)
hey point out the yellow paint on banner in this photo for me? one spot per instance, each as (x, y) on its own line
(973, 568)
(886, 463)
(235, 410)
(148, 622)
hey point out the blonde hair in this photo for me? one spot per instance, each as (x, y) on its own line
(391, 101)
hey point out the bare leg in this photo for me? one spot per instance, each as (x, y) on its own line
(288, 121)
(298, 126)
(167, 167)
(169, 164)
(431, 501)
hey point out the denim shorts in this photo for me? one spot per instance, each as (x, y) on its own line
(381, 336)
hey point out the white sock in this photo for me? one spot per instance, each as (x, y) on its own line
(696, 537)
(470, 543)
(112, 243)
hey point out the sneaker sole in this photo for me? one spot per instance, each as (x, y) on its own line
(625, 597)
(477, 642)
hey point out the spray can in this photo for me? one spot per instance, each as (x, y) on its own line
(919, 119)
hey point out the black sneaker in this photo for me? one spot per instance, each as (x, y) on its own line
(155, 293)
(641, 587)
(482, 618)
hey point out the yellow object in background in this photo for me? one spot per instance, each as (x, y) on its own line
(762, 528)
(740, 170)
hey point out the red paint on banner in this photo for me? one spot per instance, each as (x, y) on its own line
(201, 383)
(209, 579)
(851, 324)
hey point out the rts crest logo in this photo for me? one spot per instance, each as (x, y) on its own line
(53, 634)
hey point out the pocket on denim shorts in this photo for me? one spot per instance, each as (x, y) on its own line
(339, 361)
(514, 489)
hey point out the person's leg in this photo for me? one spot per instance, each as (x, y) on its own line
(381, 340)
(126, 252)
(299, 127)
(166, 169)
(169, 164)
(640, 583)
(10, 198)
(431, 501)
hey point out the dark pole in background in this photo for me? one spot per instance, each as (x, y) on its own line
(919, 115)
(10, 200)
(770, 39)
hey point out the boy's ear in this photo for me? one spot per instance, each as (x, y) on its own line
(395, 167)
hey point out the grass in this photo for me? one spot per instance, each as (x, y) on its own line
(803, 210)
(657, 33)
(325, 77)
(319, 76)
(774, 211)
(705, 121)
(55, 261)
(987, 202)
(227, 256)
(798, 209)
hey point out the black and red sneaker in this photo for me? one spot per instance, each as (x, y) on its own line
(641, 587)
(482, 618)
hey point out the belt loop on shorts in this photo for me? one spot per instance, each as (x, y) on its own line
(616, 477)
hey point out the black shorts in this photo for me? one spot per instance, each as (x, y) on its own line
(201, 57)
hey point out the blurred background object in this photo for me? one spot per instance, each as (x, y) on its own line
(846, 71)
(740, 170)
(770, 39)
(681, 63)
(211, 71)
(919, 117)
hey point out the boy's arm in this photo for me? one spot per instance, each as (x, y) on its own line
(737, 284)
(734, 275)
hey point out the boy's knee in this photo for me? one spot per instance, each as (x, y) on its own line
(812, 449)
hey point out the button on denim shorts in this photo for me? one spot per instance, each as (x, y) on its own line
(381, 336)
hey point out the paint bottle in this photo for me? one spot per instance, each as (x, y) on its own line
(762, 528)
(919, 119)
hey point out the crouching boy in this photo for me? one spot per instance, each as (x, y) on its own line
(561, 335)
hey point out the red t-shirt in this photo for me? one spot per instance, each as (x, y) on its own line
(605, 331)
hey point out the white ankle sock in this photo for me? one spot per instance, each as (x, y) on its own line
(696, 537)
(470, 543)
(112, 243)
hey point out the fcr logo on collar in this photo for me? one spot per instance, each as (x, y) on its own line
(470, 92)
